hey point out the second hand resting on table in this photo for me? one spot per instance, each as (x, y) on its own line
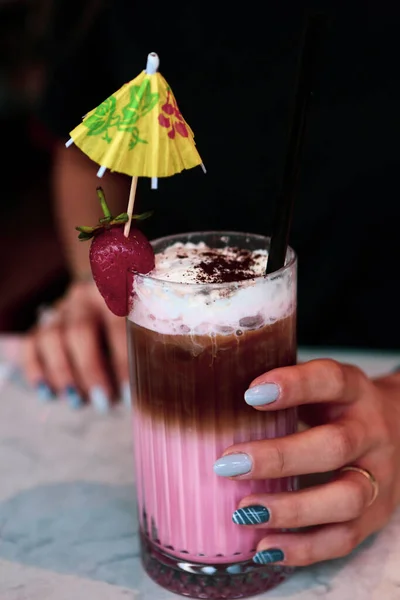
(79, 351)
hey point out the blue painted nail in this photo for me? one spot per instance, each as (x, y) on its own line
(233, 464)
(74, 399)
(265, 557)
(259, 395)
(99, 399)
(44, 392)
(251, 515)
(126, 394)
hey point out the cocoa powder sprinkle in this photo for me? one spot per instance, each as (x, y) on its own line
(217, 268)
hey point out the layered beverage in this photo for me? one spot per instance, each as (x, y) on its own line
(203, 324)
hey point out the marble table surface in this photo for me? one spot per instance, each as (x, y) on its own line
(68, 529)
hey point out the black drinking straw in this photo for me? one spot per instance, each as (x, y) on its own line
(291, 175)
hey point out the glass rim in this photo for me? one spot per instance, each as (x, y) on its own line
(201, 284)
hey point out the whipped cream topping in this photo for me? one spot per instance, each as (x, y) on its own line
(197, 263)
(197, 290)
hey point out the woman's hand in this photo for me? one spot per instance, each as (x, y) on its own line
(354, 421)
(78, 351)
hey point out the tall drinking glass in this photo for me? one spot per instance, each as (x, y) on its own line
(193, 351)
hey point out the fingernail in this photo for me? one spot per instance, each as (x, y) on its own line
(99, 399)
(251, 515)
(73, 397)
(44, 392)
(126, 394)
(233, 464)
(259, 395)
(265, 557)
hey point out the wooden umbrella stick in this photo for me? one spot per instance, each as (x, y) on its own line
(131, 203)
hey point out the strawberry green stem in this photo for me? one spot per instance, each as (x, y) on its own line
(103, 203)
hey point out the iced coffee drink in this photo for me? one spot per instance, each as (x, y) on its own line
(203, 324)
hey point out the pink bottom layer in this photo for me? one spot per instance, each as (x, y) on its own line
(184, 508)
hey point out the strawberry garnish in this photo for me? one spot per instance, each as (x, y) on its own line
(114, 258)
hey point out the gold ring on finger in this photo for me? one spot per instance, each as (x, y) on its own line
(367, 475)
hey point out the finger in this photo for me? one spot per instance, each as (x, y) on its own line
(57, 366)
(344, 499)
(31, 365)
(318, 544)
(116, 336)
(54, 358)
(85, 350)
(33, 369)
(315, 381)
(317, 450)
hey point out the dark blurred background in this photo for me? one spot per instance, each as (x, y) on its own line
(32, 268)
(349, 177)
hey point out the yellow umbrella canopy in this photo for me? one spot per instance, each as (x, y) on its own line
(139, 130)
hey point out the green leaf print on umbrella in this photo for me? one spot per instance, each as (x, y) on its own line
(142, 101)
(102, 119)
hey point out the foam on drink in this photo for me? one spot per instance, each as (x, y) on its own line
(195, 289)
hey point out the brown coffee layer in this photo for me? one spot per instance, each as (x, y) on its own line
(198, 381)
